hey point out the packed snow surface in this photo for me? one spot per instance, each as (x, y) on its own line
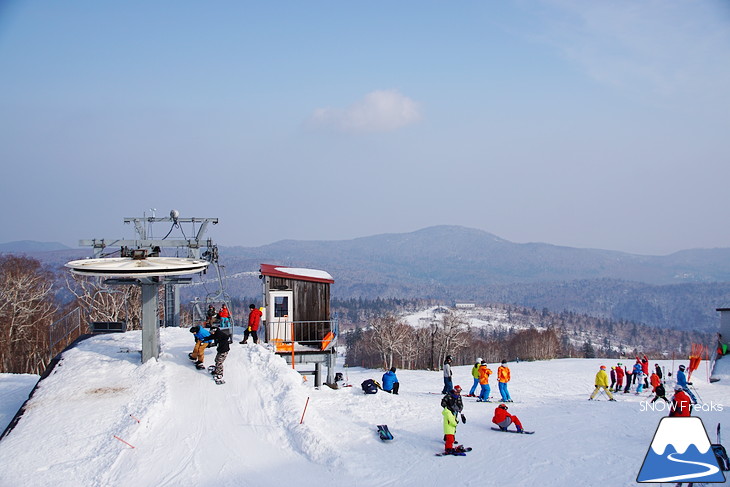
(102, 419)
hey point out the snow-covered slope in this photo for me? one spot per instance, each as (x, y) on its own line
(188, 431)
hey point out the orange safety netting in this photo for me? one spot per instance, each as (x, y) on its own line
(695, 357)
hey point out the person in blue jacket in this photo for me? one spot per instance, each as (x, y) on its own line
(203, 338)
(390, 382)
(682, 381)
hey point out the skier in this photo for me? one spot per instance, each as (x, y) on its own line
(619, 377)
(654, 381)
(503, 376)
(484, 373)
(681, 404)
(613, 379)
(448, 382)
(682, 381)
(202, 340)
(658, 370)
(475, 376)
(601, 383)
(645, 370)
(220, 338)
(660, 393)
(390, 382)
(628, 374)
(254, 320)
(640, 381)
(503, 419)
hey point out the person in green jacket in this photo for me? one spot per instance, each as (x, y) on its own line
(602, 383)
(450, 423)
(475, 376)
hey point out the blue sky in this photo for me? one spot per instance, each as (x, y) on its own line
(587, 124)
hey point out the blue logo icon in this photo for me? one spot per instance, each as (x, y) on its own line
(680, 452)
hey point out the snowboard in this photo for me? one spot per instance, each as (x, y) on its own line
(458, 452)
(384, 433)
(523, 432)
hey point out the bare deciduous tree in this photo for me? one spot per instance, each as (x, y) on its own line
(389, 337)
(27, 308)
(101, 303)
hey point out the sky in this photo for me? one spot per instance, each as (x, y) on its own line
(586, 124)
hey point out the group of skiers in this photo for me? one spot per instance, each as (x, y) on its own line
(219, 334)
(683, 396)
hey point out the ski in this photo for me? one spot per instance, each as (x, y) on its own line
(523, 432)
(384, 433)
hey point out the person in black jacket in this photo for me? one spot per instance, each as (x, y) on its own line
(220, 338)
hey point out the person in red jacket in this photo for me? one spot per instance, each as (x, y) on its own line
(503, 419)
(681, 403)
(619, 377)
(644, 368)
(254, 320)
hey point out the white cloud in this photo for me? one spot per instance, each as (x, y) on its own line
(378, 111)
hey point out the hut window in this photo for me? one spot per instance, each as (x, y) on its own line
(281, 306)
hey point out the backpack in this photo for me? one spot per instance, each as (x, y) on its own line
(369, 386)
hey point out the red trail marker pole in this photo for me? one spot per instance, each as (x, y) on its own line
(305, 412)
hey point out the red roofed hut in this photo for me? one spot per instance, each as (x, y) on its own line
(298, 320)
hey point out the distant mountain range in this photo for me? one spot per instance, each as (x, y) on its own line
(453, 263)
(31, 246)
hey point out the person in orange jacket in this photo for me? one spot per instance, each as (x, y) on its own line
(503, 419)
(654, 380)
(503, 376)
(484, 373)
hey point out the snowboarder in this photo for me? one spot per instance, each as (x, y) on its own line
(390, 382)
(450, 423)
(202, 340)
(601, 382)
(475, 377)
(619, 377)
(681, 404)
(484, 373)
(448, 382)
(220, 338)
(503, 419)
(503, 376)
(254, 320)
(682, 381)
(453, 406)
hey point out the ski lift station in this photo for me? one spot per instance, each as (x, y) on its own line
(297, 323)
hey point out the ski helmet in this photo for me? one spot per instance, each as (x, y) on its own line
(503, 406)
(457, 388)
(479, 360)
(603, 367)
(681, 367)
(678, 388)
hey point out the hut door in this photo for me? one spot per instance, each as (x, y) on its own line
(281, 314)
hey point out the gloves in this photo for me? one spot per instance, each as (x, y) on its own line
(463, 419)
(689, 383)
